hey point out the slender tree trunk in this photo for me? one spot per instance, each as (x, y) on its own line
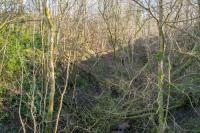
(187, 11)
(198, 1)
(161, 126)
(50, 107)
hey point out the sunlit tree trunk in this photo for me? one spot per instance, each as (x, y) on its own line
(50, 107)
(161, 54)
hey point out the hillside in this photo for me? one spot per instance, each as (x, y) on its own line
(99, 66)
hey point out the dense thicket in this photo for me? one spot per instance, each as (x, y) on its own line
(99, 66)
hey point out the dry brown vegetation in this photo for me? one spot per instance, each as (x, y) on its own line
(99, 66)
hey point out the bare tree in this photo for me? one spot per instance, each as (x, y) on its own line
(52, 83)
(161, 74)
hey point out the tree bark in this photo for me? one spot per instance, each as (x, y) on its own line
(198, 1)
(50, 107)
(161, 126)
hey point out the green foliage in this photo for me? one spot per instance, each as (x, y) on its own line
(159, 56)
(12, 45)
(18, 45)
(2, 90)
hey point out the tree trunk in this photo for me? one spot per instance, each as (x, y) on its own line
(187, 11)
(198, 13)
(161, 126)
(50, 107)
